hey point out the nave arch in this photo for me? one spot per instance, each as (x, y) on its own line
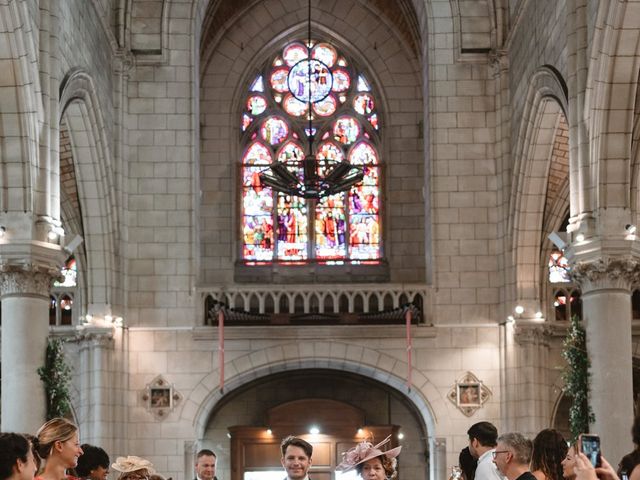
(544, 114)
(97, 219)
(434, 410)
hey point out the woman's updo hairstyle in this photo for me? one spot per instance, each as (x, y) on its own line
(55, 430)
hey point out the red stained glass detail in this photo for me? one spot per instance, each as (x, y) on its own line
(341, 80)
(279, 79)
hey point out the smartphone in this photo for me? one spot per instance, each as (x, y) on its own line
(589, 444)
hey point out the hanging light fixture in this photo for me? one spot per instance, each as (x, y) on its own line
(302, 178)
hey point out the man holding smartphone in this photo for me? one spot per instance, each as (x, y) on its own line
(513, 455)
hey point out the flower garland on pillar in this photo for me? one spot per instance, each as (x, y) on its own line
(576, 378)
(56, 376)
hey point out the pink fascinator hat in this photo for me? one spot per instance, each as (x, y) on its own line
(365, 451)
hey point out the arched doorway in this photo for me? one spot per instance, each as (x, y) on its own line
(380, 405)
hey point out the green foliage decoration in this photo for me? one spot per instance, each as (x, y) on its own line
(56, 376)
(576, 378)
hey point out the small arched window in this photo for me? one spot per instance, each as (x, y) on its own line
(63, 294)
(277, 227)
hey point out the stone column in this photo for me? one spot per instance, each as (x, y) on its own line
(25, 328)
(606, 299)
(532, 404)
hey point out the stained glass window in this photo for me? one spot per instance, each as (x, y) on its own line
(69, 274)
(558, 268)
(275, 128)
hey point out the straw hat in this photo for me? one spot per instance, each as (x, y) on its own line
(365, 451)
(132, 464)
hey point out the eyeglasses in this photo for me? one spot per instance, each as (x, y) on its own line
(496, 452)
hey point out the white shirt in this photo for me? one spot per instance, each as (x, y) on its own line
(486, 469)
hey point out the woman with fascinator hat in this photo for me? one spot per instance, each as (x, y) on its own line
(370, 462)
(133, 468)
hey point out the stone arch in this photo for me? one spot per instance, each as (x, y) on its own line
(546, 104)
(427, 400)
(21, 110)
(612, 84)
(145, 29)
(92, 168)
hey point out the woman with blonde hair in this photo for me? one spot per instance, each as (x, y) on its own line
(57, 443)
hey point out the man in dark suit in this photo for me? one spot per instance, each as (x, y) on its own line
(206, 465)
(296, 457)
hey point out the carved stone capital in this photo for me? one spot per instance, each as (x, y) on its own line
(94, 337)
(26, 281)
(536, 335)
(606, 273)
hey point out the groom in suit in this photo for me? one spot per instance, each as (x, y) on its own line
(296, 458)
(206, 465)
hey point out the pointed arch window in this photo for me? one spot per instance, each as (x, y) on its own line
(340, 228)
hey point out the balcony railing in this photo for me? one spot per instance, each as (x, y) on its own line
(315, 304)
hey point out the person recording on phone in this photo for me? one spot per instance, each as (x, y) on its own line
(512, 456)
(585, 470)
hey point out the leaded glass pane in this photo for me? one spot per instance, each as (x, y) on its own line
(258, 237)
(363, 154)
(310, 81)
(363, 85)
(326, 107)
(246, 121)
(558, 268)
(292, 228)
(293, 106)
(331, 228)
(363, 103)
(341, 80)
(279, 79)
(346, 130)
(294, 52)
(325, 53)
(274, 130)
(257, 85)
(256, 104)
(257, 154)
(69, 273)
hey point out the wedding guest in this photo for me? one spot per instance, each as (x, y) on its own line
(370, 462)
(17, 461)
(93, 464)
(57, 444)
(133, 468)
(549, 450)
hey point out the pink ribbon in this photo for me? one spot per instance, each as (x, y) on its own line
(408, 316)
(221, 346)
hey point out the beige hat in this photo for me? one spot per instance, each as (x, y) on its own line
(132, 464)
(365, 451)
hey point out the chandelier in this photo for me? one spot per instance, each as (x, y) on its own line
(310, 81)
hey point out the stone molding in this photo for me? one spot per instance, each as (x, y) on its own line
(27, 281)
(91, 338)
(537, 335)
(607, 273)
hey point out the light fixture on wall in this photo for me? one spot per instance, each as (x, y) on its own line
(3, 231)
(631, 229)
(314, 430)
(311, 177)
